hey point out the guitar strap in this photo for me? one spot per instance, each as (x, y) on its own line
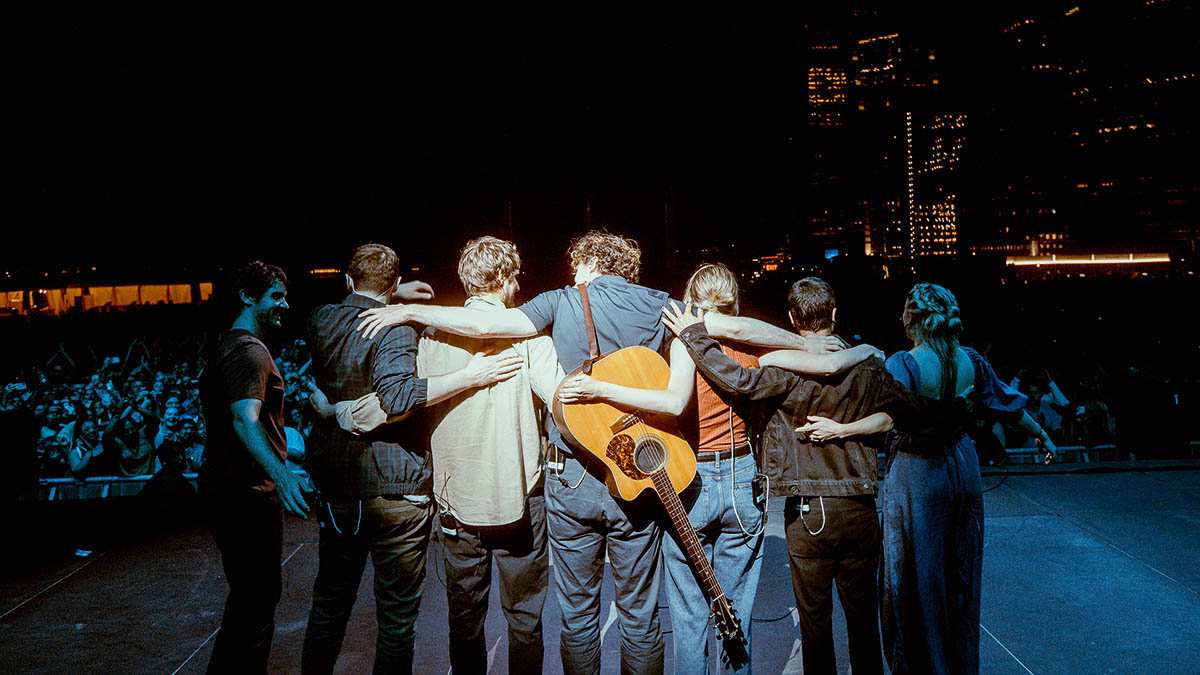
(590, 329)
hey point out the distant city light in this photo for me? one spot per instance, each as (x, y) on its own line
(1092, 259)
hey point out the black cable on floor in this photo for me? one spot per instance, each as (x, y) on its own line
(1002, 478)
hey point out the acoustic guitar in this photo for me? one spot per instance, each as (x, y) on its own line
(643, 451)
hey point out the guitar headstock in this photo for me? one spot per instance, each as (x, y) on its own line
(725, 619)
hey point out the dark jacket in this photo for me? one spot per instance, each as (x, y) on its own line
(394, 459)
(841, 468)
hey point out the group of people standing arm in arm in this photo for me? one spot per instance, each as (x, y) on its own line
(769, 413)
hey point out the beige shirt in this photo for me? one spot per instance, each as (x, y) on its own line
(487, 443)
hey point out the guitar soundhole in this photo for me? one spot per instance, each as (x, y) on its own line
(621, 451)
(650, 453)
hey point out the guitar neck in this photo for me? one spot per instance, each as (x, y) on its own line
(691, 543)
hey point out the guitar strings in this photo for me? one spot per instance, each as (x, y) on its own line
(645, 431)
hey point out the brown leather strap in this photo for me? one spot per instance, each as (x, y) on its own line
(590, 328)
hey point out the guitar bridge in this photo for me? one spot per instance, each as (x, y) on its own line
(624, 422)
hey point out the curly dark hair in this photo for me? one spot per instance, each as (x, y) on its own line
(609, 254)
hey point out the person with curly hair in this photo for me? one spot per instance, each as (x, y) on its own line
(586, 523)
(720, 501)
(932, 540)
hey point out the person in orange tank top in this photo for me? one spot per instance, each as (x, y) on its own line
(720, 501)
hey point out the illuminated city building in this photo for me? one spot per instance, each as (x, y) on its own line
(894, 148)
(1091, 146)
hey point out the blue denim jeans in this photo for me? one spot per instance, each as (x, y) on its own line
(585, 522)
(395, 534)
(736, 558)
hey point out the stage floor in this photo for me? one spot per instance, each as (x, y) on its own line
(1088, 571)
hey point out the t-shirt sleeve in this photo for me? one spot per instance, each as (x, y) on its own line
(245, 371)
(540, 309)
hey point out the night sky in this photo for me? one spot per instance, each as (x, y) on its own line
(190, 143)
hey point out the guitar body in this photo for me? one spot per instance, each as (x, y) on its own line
(644, 451)
(632, 444)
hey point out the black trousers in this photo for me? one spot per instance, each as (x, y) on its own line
(523, 562)
(248, 528)
(845, 551)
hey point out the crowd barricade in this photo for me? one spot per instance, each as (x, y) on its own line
(1068, 454)
(96, 487)
(102, 487)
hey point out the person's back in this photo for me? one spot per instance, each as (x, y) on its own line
(345, 366)
(374, 489)
(932, 546)
(930, 365)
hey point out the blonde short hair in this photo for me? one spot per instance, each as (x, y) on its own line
(713, 287)
(486, 263)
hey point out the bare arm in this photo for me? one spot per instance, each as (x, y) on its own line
(481, 371)
(363, 414)
(411, 291)
(1035, 430)
(249, 429)
(762, 334)
(78, 461)
(822, 429)
(818, 364)
(670, 401)
(511, 323)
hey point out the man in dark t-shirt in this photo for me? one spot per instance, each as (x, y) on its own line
(244, 482)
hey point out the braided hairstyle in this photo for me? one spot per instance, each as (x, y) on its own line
(931, 318)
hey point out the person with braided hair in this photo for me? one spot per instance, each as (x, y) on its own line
(932, 543)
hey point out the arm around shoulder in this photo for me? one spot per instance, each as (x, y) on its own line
(818, 364)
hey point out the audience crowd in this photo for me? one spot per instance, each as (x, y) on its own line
(119, 397)
(134, 411)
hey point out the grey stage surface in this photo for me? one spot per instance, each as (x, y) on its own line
(1084, 572)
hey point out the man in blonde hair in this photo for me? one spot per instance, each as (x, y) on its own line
(587, 524)
(487, 469)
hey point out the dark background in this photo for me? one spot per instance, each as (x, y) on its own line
(200, 140)
(163, 147)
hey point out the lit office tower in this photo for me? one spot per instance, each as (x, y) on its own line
(880, 153)
(1088, 138)
(827, 205)
(887, 137)
(933, 153)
